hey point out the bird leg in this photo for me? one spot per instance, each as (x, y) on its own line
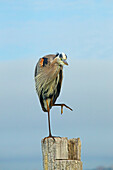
(48, 110)
(62, 107)
(50, 136)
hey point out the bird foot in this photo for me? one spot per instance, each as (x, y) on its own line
(50, 136)
(62, 105)
(66, 107)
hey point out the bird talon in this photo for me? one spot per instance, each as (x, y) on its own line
(50, 136)
(66, 107)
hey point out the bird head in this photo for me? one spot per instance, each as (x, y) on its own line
(61, 59)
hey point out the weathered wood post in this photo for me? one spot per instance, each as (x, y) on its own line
(61, 154)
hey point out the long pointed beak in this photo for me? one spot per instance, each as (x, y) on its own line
(64, 61)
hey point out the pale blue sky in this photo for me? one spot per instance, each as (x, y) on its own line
(83, 29)
(80, 28)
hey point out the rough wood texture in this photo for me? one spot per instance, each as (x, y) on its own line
(61, 154)
(74, 149)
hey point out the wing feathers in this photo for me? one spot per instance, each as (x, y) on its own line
(48, 80)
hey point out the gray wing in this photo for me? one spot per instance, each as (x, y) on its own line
(48, 80)
(44, 73)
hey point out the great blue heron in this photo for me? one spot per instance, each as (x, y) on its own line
(48, 81)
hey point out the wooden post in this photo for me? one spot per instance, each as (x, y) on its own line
(61, 154)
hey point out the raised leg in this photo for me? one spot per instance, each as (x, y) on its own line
(62, 107)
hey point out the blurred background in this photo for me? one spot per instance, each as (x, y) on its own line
(83, 29)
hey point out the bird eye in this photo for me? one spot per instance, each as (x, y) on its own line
(60, 56)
